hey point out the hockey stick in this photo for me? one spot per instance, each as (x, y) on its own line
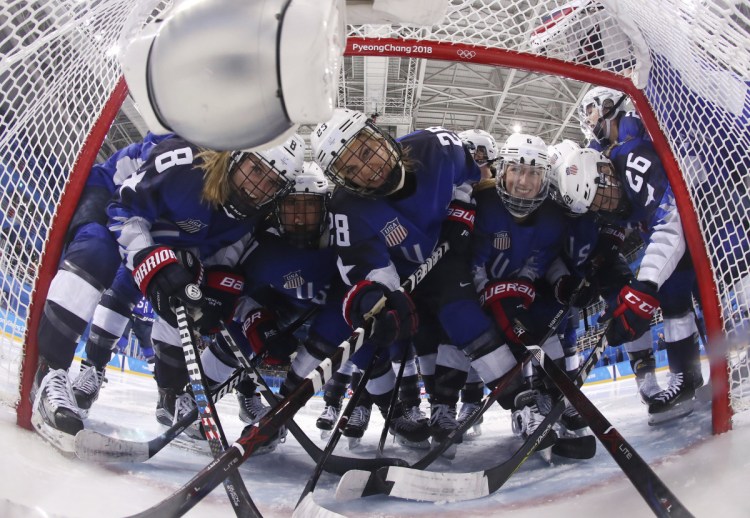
(334, 464)
(97, 447)
(393, 402)
(209, 477)
(343, 420)
(360, 484)
(238, 495)
(94, 446)
(653, 490)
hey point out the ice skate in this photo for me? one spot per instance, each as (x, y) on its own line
(327, 420)
(442, 423)
(409, 427)
(356, 426)
(647, 387)
(172, 406)
(252, 408)
(55, 415)
(677, 400)
(86, 387)
(531, 407)
(476, 429)
(571, 423)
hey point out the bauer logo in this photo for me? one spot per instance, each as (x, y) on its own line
(293, 280)
(501, 241)
(394, 233)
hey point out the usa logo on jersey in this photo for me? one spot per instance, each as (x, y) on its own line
(501, 240)
(293, 280)
(394, 233)
(191, 226)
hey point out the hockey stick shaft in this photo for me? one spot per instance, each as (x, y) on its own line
(393, 402)
(334, 464)
(653, 490)
(212, 475)
(336, 435)
(238, 495)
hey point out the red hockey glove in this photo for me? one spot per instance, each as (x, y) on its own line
(459, 225)
(508, 301)
(162, 273)
(396, 320)
(262, 331)
(631, 317)
(222, 288)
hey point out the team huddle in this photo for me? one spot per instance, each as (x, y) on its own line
(258, 242)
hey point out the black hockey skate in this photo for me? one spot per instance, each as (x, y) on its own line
(55, 415)
(172, 406)
(356, 426)
(409, 427)
(677, 400)
(87, 385)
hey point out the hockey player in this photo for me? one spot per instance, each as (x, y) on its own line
(396, 200)
(633, 190)
(87, 268)
(483, 148)
(182, 223)
(517, 237)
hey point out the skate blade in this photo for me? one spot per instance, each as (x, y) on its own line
(546, 454)
(449, 453)
(473, 433)
(63, 442)
(354, 442)
(681, 409)
(325, 434)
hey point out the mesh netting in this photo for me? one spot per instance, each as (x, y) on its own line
(691, 59)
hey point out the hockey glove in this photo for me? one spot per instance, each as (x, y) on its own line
(458, 225)
(262, 331)
(221, 290)
(162, 274)
(568, 290)
(396, 320)
(508, 302)
(631, 316)
(608, 245)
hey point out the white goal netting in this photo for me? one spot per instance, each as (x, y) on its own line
(689, 58)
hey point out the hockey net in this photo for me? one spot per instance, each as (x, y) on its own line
(685, 64)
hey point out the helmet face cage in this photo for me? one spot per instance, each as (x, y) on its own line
(609, 194)
(523, 176)
(599, 106)
(254, 183)
(479, 141)
(302, 218)
(368, 164)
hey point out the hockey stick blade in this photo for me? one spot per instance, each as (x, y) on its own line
(580, 448)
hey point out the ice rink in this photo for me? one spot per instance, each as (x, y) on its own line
(707, 473)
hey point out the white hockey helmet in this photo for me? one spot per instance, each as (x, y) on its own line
(584, 173)
(258, 178)
(302, 214)
(236, 75)
(523, 175)
(355, 154)
(556, 155)
(599, 107)
(477, 138)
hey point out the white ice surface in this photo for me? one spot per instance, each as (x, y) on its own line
(709, 474)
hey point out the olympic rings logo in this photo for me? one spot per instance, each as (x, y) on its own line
(466, 54)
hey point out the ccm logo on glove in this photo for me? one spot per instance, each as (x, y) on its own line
(639, 305)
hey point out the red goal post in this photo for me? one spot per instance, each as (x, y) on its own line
(62, 88)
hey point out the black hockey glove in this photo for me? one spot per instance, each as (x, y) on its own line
(608, 245)
(162, 274)
(508, 302)
(459, 225)
(567, 294)
(262, 331)
(631, 317)
(396, 320)
(222, 287)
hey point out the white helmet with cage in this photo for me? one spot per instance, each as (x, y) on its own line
(556, 155)
(579, 177)
(357, 155)
(600, 106)
(302, 214)
(523, 175)
(268, 177)
(475, 139)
